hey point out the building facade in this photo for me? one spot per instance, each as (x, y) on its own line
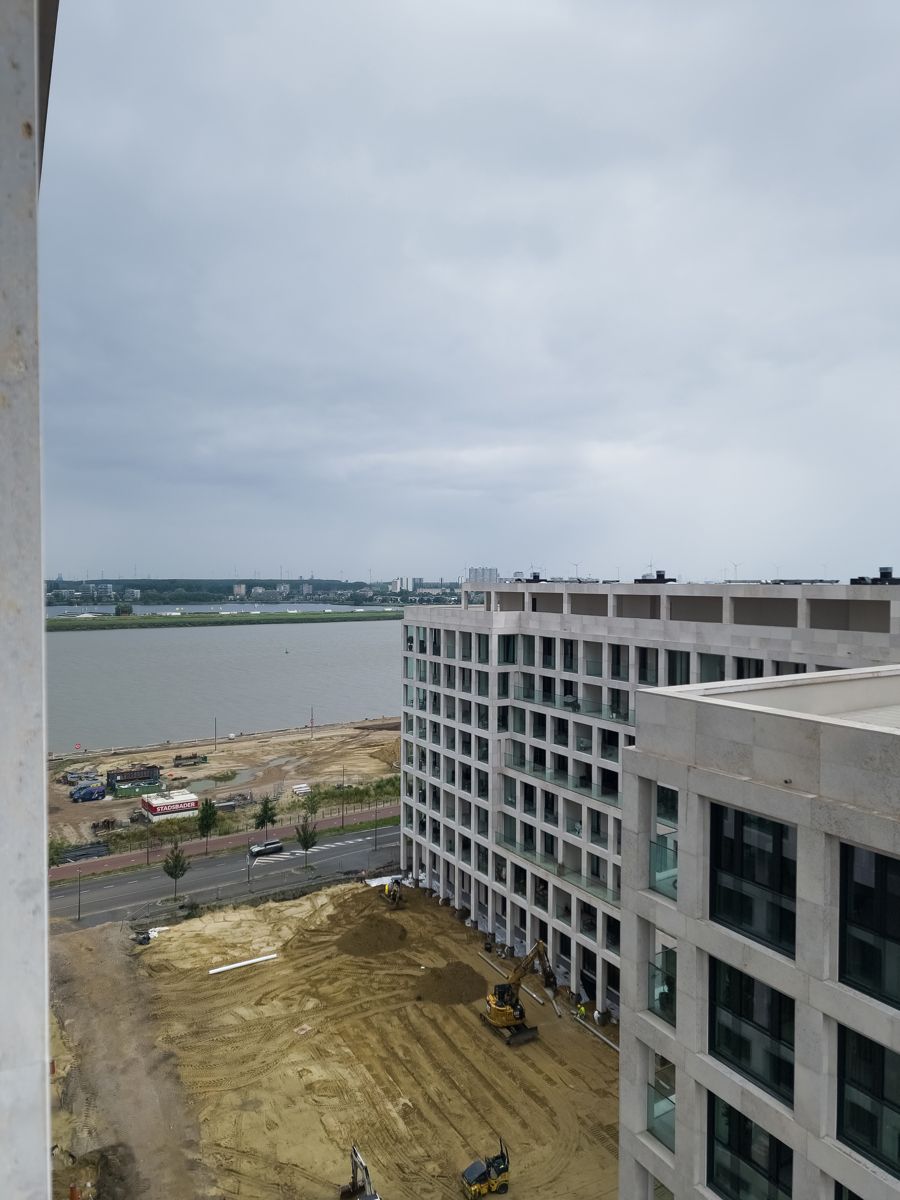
(519, 712)
(760, 1034)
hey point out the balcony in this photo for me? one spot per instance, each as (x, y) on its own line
(593, 666)
(661, 985)
(661, 1115)
(575, 783)
(547, 699)
(596, 886)
(664, 870)
(528, 851)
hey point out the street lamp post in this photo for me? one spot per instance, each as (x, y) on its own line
(79, 894)
(376, 820)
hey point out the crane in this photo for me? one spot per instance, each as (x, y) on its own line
(360, 1180)
(504, 1011)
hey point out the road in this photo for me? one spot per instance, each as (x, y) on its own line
(137, 893)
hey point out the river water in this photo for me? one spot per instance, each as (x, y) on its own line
(135, 687)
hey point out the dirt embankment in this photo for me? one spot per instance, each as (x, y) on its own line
(365, 1029)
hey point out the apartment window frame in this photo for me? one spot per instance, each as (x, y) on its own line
(781, 902)
(678, 668)
(751, 1145)
(759, 1016)
(867, 1056)
(877, 932)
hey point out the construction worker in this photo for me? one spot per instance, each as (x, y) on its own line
(582, 1011)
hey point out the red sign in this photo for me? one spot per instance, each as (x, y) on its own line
(78, 745)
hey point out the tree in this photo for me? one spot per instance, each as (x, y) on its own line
(266, 815)
(311, 805)
(175, 864)
(306, 836)
(124, 610)
(54, 852)
(206, 820)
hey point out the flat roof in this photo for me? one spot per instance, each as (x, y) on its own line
(862, 696)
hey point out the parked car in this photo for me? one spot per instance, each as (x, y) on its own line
(261, 848)
(88, 791)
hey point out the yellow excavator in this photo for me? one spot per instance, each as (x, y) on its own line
(360, 1180)
(488, 1174)
(392, 893)
(504, 1011)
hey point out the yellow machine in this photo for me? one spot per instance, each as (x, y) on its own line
(489, 1174)
(360, 1181)
(393, 894)
(504, 1011)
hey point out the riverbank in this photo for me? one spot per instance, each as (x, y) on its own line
(194, 620)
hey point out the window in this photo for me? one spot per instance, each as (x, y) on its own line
(869, 1098)
(661, 1102)
(647, 659)
(678, 667)
(507, 649)
(711, 668)
(753, 881)
(548, 653)
(870, 923)
(503, 685)
(527, 650)
(484, 647)
(748, 668)
(789, 668)
(661, 984)
(666, 806)
(744, 1162)
(465, 647)
(844, 1193)
(751, 1027)
(618, 661)
(569, 654)
(449, 643)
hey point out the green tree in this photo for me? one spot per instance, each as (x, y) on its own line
(175, 864)
(311, 804)
(266, 815)
(124, 610)
(306, 836)
(206, 820)
(54, 852)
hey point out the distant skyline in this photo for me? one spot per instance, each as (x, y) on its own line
(503, 282)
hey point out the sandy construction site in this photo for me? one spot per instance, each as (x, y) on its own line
(258, 762)
(365, 1028)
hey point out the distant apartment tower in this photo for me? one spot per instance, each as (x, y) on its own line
(131, 594)
(760, 1035)
(239, 590)
(518, 715)
(483, 575)
(403, 583)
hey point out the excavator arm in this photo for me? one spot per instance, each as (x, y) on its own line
(537, 953)
(360, 1181)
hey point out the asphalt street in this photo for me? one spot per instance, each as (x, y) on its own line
(137, 893)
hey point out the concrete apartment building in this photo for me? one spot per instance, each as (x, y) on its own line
(518, 718)
(760, 1034)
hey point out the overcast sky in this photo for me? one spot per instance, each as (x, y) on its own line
(403, 286)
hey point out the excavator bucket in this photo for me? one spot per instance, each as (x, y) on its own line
(349, 1190)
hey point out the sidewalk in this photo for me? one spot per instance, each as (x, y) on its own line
(197, 846)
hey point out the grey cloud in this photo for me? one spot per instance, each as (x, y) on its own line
(412, 285)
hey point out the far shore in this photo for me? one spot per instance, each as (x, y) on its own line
(191, 620)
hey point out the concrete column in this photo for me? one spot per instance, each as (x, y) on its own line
(24, 1049)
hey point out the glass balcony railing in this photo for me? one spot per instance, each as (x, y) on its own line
(661, 985)
(661, 1116)
(593, 666)
(599, 837)
(574, 827)
(576, 783)
(596, 886)
(593, 708)
(735, 1177)
(664, 870)
(527, 850)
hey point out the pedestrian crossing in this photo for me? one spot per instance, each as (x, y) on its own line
(273, 860)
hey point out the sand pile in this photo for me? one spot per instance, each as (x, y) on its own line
(455, 983)
(372, 934)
